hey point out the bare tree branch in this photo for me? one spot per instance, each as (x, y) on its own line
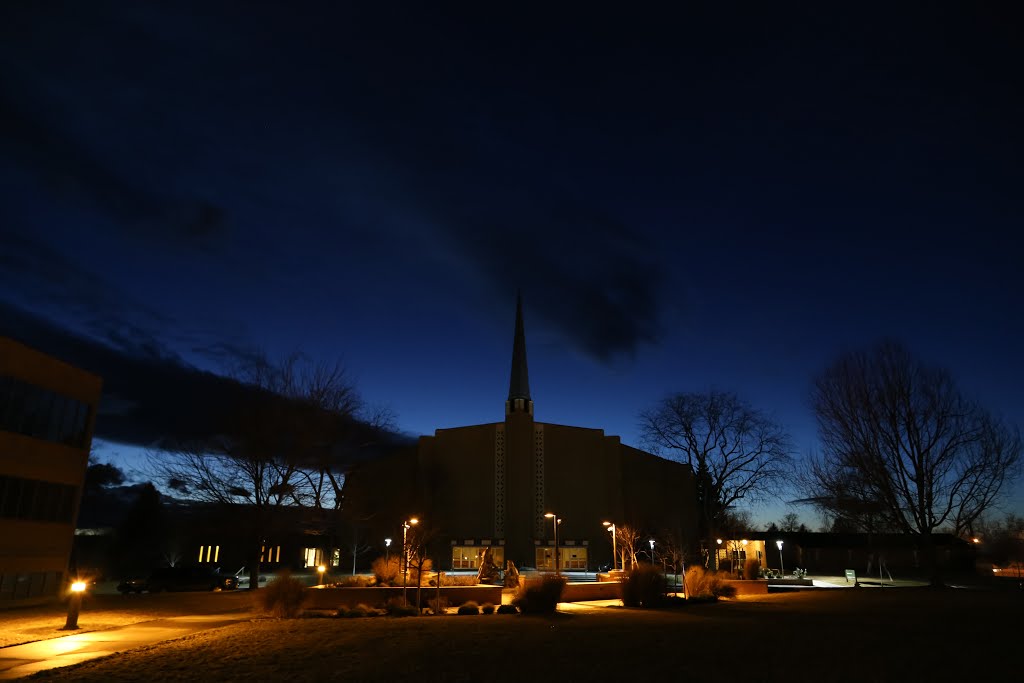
(903, 448)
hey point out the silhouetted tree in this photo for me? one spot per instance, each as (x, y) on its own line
(285, 443)
(902, 445)
(737, 453)
(790, 522)
(142, 532)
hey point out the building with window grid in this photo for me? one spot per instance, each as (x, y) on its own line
(47, 412)
(508, 485)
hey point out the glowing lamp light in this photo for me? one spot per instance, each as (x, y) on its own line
(78, 587)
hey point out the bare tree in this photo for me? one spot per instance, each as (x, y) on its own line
(629, 540)
(903, 445)
(282, 444)
(790, 522)
(737, 453)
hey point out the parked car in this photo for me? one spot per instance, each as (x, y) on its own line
(135, 584)
(180, 579)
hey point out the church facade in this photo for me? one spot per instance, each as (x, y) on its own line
(528, 490)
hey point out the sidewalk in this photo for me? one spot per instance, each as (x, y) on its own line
(17, 661)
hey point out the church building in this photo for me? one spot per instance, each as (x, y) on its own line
(525, 489)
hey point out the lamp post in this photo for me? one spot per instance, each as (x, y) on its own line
(320, 570)
(405, 556)
(718, 552)
(555, 521)
(387, 550)
(74, 606)
(781, 565)
(615, 554)
(651, 541)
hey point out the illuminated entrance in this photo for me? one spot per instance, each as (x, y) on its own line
(468, 556)
(570, 558)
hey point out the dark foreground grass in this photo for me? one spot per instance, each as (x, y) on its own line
(865, 635)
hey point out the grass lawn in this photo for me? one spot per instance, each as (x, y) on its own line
(843, 635)
(100, 612)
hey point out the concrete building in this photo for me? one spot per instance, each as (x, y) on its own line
(494, 485)
(47, 412)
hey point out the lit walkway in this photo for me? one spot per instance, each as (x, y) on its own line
(17, 661)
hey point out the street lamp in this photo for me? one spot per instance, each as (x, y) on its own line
(555, 521)
(405, 556)
(718, 552)
(615, 554)
(320, 570)
(781, 565)
(651, 541)
(387, 550)
(74, 605)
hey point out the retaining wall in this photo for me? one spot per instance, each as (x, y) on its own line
(332, 598)
(750, 587)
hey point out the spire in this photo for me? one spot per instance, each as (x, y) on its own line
(519, 384)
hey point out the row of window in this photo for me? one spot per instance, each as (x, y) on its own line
(35, 500)
(42, 414)
(568, 558)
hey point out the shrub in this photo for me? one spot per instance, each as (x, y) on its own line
(540, 596)
(458, 580)
(469, 608)
(487, 608)
(357, 581)
(397, 607)
(284, 596)
(360, 610)
(703, 584)
(387, 571)
(438, 605)
(508, 609)
(751, 569)
(644, 586)
(354, 612)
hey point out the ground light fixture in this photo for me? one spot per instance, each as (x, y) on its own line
(406, 525)
(615, 554)
(74, 606)
(781, 565)
(555, 521)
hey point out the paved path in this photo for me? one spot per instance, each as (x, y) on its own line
(17, 661)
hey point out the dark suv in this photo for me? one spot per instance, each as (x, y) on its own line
(189, 579)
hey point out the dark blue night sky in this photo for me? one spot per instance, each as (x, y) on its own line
(721, 197)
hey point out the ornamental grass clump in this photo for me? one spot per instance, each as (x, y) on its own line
(283, 597)
(540, 596)
(705, 585)
(508, 609)
(487, 608)
(469, 608)
(386, 571)
(438, 605)
(396, 607)
(360, 611)
(644, 586)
